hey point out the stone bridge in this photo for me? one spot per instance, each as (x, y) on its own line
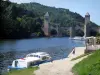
(49, 27)
(59, 29)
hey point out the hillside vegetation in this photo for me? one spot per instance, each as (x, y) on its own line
(21, 20)
(89, 65)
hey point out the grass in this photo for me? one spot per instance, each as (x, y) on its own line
(27, 71)
(89, 65)
(80, 56)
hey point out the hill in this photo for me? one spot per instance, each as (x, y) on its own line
(21, 20)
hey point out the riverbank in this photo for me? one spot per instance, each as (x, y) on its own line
(63, 66)
(26, 71)
(88, 66)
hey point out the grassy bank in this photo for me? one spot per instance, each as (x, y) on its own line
(27, 71)
(79, 56)
(88, 66)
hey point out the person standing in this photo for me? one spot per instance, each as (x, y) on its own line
(51, 60)
(73, 50)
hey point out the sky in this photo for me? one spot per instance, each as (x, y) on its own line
(79, 6)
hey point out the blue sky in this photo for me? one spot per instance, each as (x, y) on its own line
(79, 6)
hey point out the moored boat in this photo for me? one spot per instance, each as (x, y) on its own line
(30, 60)
(78, 38)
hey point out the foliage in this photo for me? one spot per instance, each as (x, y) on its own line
(79, 33)
(89, 65)
(18, 22)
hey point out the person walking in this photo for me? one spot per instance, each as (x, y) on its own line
(73, 50)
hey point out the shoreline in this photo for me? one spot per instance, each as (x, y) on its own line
(31, 38)
(80, 52)
(62, 66)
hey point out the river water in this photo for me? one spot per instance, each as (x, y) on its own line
(58, 48)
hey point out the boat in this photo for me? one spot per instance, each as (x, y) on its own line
(31, 59)
(78, 38)
(43, 56)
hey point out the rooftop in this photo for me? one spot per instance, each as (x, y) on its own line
(47, 14)
(87, 14)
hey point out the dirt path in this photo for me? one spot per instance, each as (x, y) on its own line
(61, 67)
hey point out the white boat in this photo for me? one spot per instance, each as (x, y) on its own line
(78, 38)
(30, 60)
(43, 56)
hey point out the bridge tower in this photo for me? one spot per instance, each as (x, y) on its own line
(72, 32)
(87, 20)
(99, 30)
(46, 24)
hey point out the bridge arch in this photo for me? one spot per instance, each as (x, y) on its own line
(53, 32)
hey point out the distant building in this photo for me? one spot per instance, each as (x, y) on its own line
(87, 21)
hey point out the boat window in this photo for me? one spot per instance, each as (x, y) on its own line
(36, 56)
(44, 58)
(31, 55)
(16, 62)
(39, 56)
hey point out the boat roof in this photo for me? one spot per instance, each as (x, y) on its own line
(28, 59)
(39, 53)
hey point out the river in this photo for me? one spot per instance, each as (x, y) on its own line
(58, 48)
